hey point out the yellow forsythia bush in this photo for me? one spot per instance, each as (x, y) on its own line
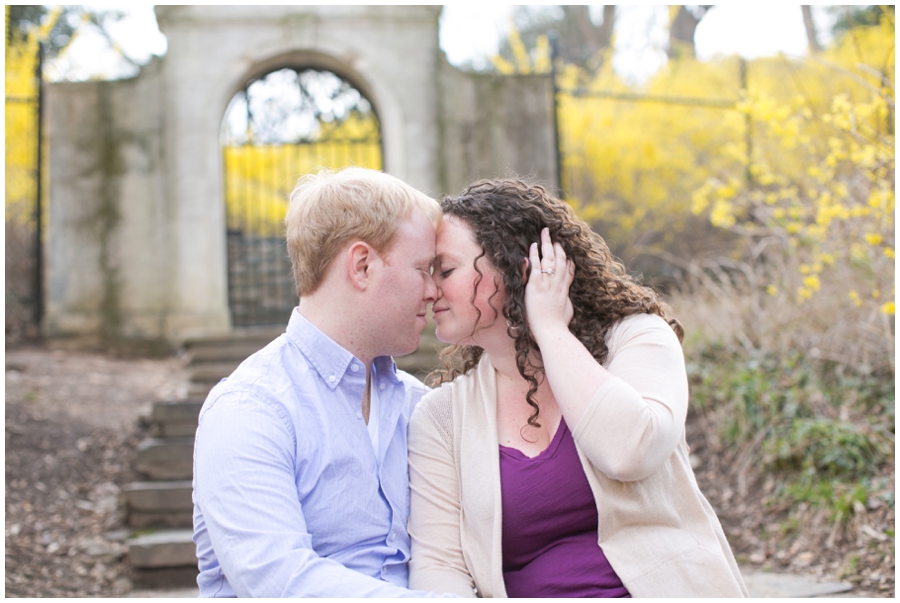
(21, 121)
(822, 172)
(259, 178)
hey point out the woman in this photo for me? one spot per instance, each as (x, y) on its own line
(551, 462)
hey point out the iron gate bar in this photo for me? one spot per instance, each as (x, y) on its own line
(39, 175)
(669, 100)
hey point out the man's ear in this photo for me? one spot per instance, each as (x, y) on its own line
(360, 256)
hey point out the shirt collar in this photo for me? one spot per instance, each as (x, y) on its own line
(329, 359)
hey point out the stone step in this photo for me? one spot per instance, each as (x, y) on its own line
(177, 418)
(176, 411)
(236, 351)
(262, 335)
(160, 504)
(199, 390)
(166, 458)
(212, 372)
(163, 559)
(163, 548)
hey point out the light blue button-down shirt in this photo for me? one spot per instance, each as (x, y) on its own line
(289, 497)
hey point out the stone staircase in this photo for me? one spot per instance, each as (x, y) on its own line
(160, 508)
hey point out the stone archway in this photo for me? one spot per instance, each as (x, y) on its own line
(365, 44)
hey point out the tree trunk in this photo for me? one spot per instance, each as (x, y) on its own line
(606, 28)
(814, 45)
(681, 32)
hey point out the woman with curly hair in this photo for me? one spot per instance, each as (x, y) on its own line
(551, 461)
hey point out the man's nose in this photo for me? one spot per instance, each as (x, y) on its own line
(431, 292)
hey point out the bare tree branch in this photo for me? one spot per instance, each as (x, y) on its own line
(810, 26)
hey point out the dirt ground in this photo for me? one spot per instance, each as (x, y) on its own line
(72, 430)
(71, 438)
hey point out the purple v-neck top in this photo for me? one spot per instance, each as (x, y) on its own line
(550, 525)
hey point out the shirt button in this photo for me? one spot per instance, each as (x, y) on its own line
(332, 378)
(381, 386)
(358, 414)
(354, 367)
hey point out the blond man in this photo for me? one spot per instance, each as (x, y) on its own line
(300, 470)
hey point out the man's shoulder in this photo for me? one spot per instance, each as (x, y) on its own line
(269, 375)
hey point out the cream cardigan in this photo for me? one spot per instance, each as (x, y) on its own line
(657, 530)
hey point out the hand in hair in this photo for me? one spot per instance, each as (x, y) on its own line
(547, 302)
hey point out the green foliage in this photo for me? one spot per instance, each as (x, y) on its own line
(20, 18)
(850, 17)
(828, 448)
(57, 26)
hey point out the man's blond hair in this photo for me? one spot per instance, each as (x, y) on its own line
(330, 209)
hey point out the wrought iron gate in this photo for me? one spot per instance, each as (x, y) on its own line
(277, 128)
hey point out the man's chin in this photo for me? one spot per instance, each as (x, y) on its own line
(406, 351)
(410, 346)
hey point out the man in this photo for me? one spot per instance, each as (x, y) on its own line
(300, 468)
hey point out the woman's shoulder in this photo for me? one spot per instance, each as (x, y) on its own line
(642, 321)
(434, 415)
(649, 327)
(438, 397)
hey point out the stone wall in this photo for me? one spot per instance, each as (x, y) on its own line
(495, 126)
(107, 219)
(136, 239)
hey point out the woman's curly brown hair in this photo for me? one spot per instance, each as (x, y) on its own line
(506, 216)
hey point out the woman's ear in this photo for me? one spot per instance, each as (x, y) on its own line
(525, 264)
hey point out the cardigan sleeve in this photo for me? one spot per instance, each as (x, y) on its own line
(636, 419)
(436, 557)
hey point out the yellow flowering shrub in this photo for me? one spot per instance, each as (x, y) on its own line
(822, 169)
(630, 164)
(21, 121)
(259, 178)
(778, 171)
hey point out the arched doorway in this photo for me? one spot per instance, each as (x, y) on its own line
(278, 127)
